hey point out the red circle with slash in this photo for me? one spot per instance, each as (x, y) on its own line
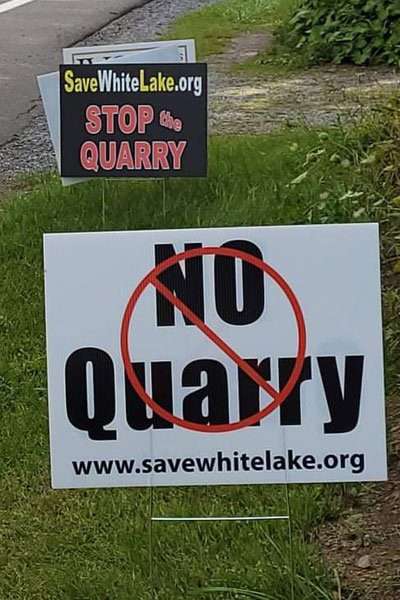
(277, 397)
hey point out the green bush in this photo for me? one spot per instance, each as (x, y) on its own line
(357, 31)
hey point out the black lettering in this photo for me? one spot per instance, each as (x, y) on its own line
(146, 465)
(215, 390)
(103, 467)
(357, 462)
(344, 406)
(103, 392)
(82, 467)
(236, 463)
(244, 459)
(249, 390)
(188, 465)
(188, 287)
(294, 460)
(290, 410)
(174, 464)
(279, 463)
(226, 296)
(160, 466)
(205, 464)
(331, 461)
(309, 461)
(224, 463)
(161, 383)
(124, 466)
(257, 463)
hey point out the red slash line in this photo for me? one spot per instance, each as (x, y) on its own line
(214, 337)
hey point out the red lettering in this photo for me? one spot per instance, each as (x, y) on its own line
(125, 158)
(178, 125)
(160, 155)
(89, 156)
(142, 155)
(108, 162)
(110, 110)
(93, 123)
(127, 119)
(177, 151)
(145, 117)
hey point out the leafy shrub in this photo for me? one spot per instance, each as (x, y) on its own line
(378, 135)
(358, 31)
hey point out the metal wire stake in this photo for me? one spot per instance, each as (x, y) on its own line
(289, 512)
(218, 519)
(103, 203)
(164, 197)
(151, 578)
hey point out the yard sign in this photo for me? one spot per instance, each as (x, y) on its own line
(215, 356)
(134, 121)
(88, 55)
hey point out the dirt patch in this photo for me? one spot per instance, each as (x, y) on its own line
(364, 546)
(241, 103)
(243, 48)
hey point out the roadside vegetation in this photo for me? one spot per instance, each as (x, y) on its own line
(305, 32)
(94, 544)
(357, 31)
(213, 27)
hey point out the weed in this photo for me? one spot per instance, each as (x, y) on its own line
(345, 31)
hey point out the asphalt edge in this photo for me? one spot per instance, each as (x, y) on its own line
(140, 4)
(36, 101)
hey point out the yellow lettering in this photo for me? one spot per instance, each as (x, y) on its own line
(143, 86)
(153, 84)
(79, 84)
(170, 84)
(69, 81)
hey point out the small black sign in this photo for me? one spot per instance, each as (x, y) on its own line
(134, 120)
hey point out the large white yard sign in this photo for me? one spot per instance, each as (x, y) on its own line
(215, 356)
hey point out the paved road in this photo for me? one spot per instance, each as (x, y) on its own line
(32, 34)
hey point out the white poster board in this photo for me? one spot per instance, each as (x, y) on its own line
(287, 321)
(79, 55)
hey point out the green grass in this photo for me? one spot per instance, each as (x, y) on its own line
(94, 545)
(214, 26)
